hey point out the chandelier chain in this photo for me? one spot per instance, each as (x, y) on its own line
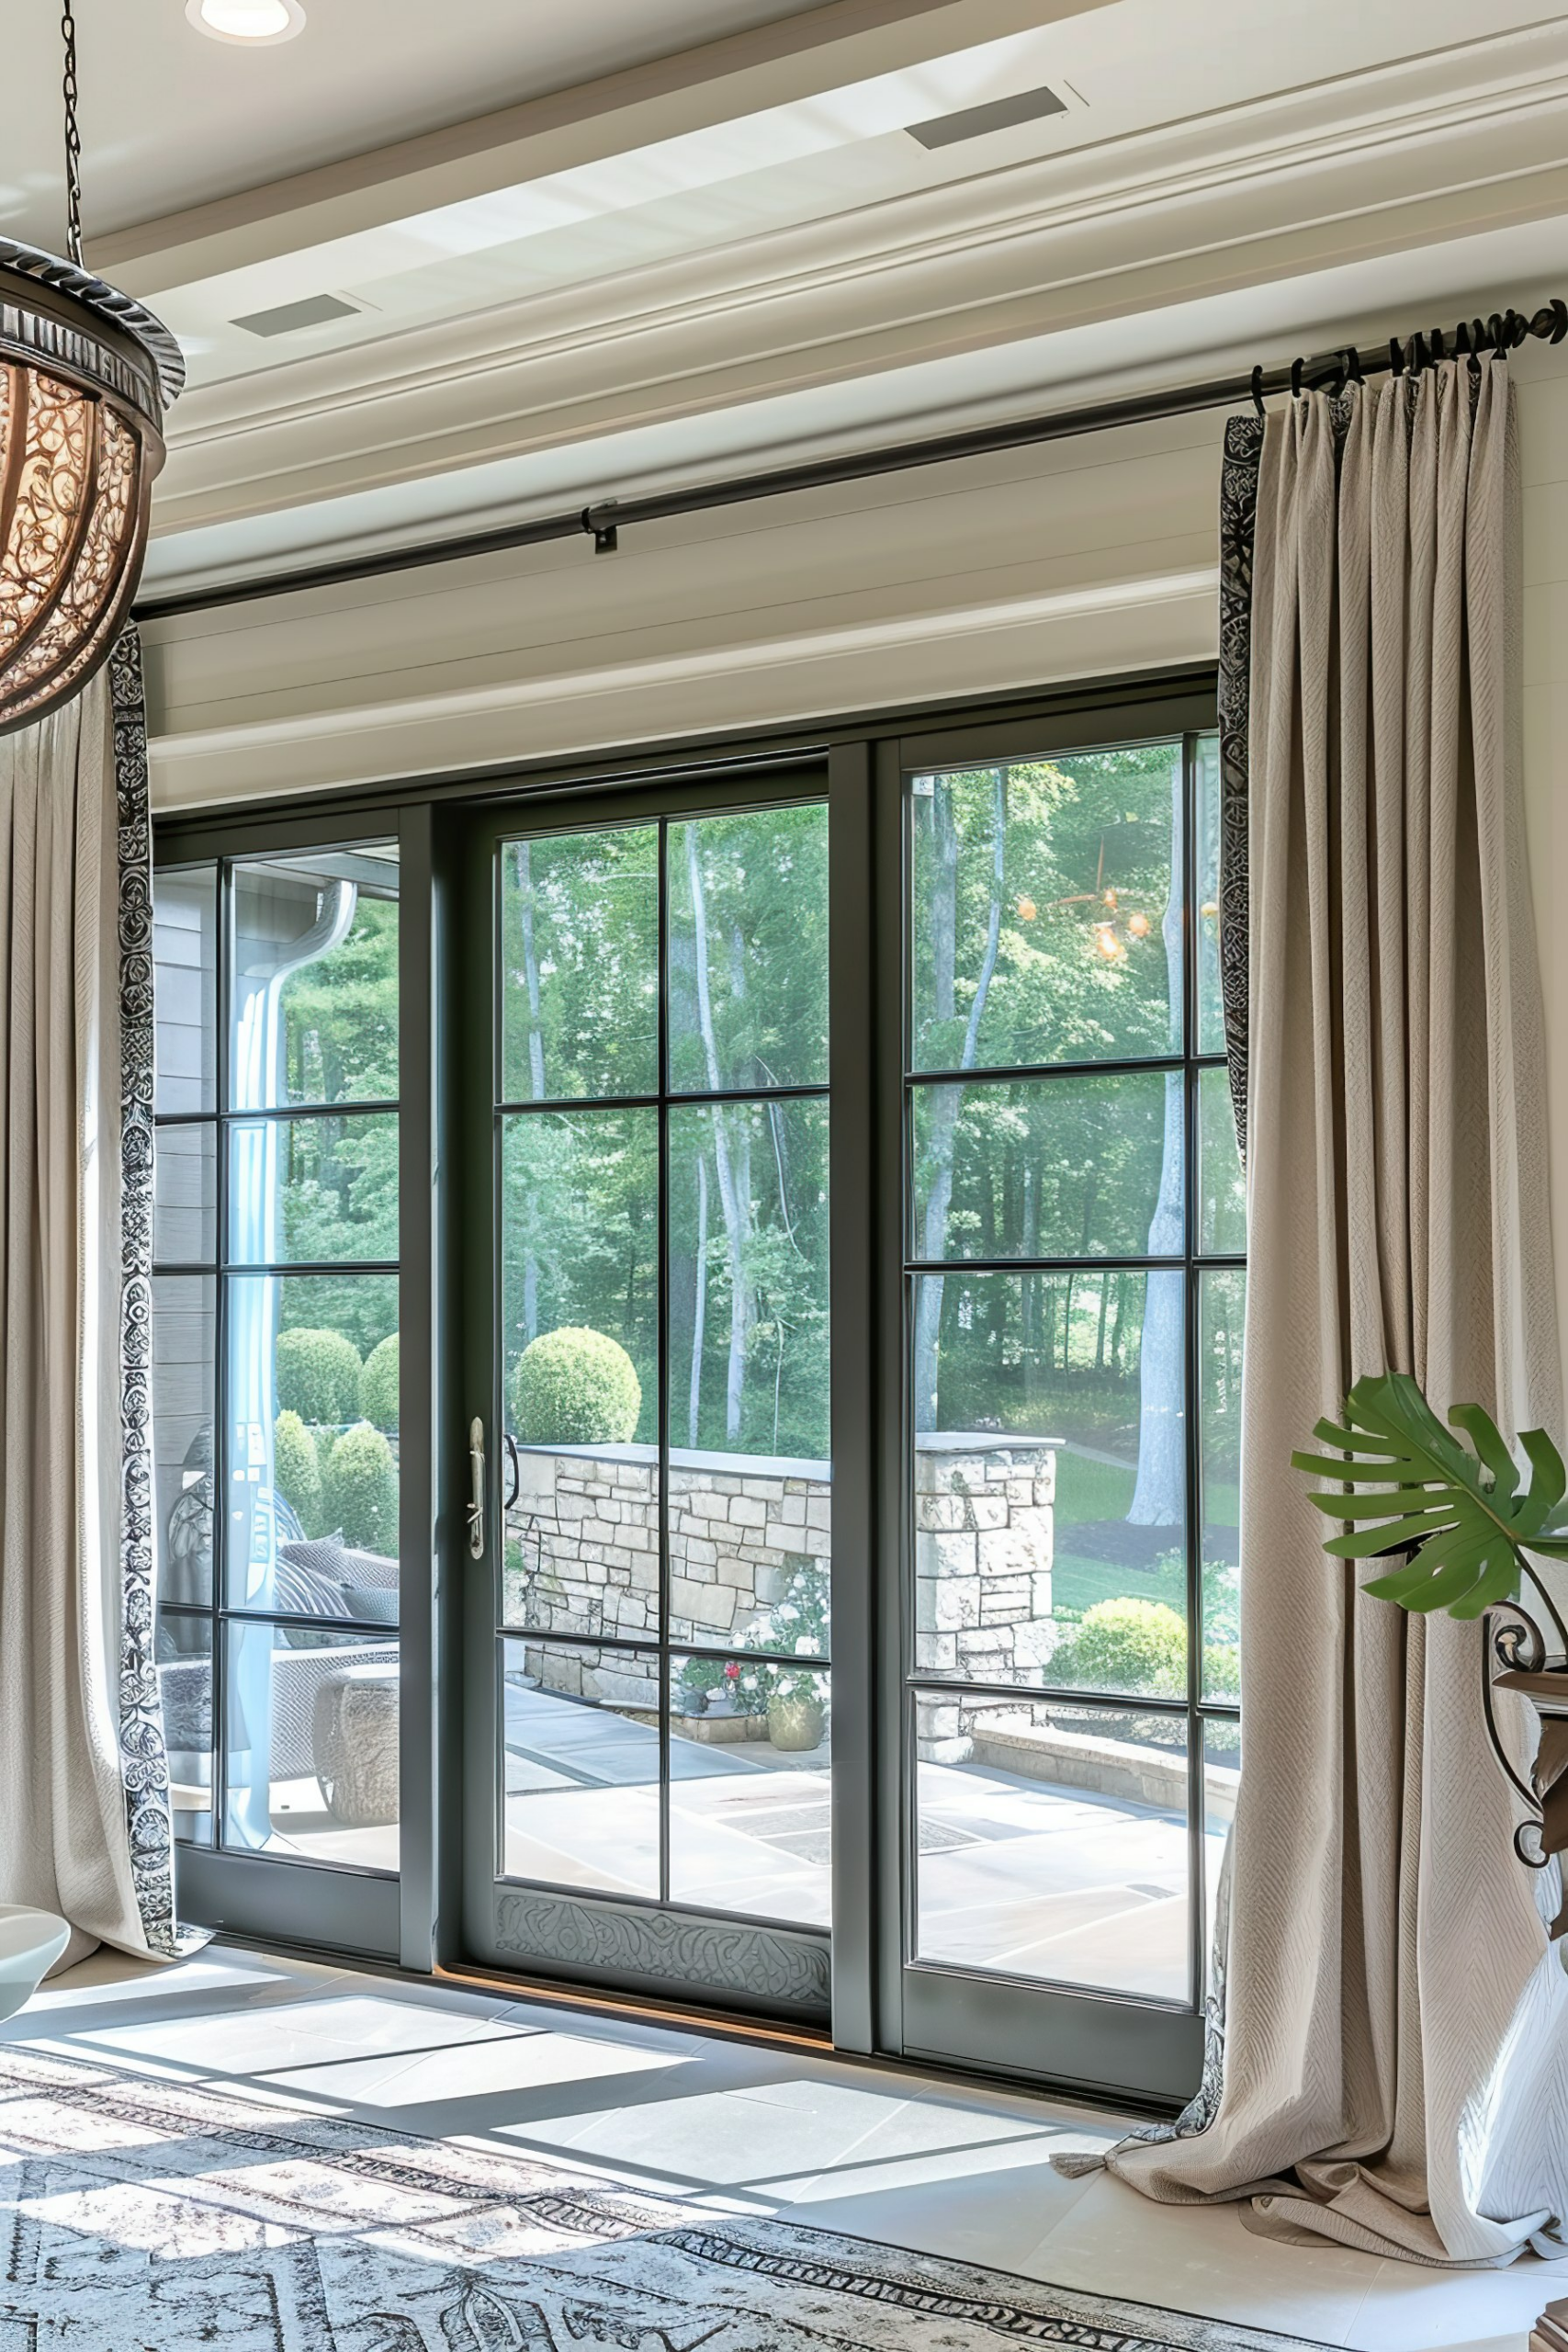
(73, 140)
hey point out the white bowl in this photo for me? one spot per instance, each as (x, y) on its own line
(30, 1943)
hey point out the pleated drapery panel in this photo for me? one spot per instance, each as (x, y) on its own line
(1395, 2036)
(86, 1817)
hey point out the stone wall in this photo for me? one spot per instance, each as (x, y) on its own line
(582, 1554)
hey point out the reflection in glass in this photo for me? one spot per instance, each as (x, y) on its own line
(579, 1276)
(184, 951)
(1047, 909)
(313, 1191)
(185, 1328)
(314, 1010)
(750, 1769)
(1221, 1302)
(307, 1460)
(579, 917)
(1050, 1469)
(1221, 1187)
(184, 1695)
(185, 1196)
(1206, 895)
(1051, 1842)
(579, 1766)
(749, 951)
(311, 1740)
(1049, 1168)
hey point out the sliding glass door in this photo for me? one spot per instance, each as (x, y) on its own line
(646, 1200)
(696, 1353)
(1068, 1325)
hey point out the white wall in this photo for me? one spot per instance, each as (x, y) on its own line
(1082, 556)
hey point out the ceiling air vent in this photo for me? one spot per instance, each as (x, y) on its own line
(315, 311)
(999, 114)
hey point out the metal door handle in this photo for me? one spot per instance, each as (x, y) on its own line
(477, 1489)
(515, 1467)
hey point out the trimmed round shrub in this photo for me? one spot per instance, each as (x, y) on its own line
(1134, 1645)
(576, 1387)
(361, 1491)
(378, 1385)
(296, 1472)
(318, 1375)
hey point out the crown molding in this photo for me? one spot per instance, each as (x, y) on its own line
(1431, 150)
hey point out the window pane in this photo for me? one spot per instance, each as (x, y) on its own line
(1050, 1479)
(1053, 1843)
(579, 965)
(579, 1766)
(185, 1196)
(1206, 894)
(312, 1190)
(1221, 1300)
(1050, 1168)
(581, 1548)
(750, 1789)
(1047, 913)
(184, 1692)
(307, 1461)
(1222, 1188)
(184, 949)
(580, 1277)
(185, 1331)
(749, 951)
(311, 1735)
(314, 1013)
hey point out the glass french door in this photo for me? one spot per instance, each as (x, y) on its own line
(647, 1687)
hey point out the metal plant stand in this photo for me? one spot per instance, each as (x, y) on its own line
(1515, 1657)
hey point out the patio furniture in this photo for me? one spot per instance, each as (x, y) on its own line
(355, 1744)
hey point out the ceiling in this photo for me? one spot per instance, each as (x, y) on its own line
(569, 254)
(171, 119)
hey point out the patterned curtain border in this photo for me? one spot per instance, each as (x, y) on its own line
(1238, 524)
(143, 1759)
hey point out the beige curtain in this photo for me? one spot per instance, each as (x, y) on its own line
(1395, 2043)
(85, 1811)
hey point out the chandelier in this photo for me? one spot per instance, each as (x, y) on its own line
(85, 377)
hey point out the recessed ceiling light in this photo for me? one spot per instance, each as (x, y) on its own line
(252, 21)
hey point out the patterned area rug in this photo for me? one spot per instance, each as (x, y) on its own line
(143, 2217)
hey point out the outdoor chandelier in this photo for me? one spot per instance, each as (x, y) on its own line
(86, 377)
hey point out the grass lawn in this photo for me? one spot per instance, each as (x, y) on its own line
(1095, 1490)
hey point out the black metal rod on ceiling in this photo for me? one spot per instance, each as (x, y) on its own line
(604, 521)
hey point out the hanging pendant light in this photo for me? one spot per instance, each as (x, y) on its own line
(86, 376)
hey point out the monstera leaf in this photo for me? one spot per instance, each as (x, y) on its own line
(1414, 1489)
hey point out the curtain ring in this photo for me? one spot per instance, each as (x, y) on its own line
(1353, 368)
(1439, 349)
(1560, 320)
(1396, 355)
(1296, 366)
(1258, 389)
(1418, 358)
(1497, 333)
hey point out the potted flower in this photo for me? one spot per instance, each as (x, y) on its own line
(795, 1626)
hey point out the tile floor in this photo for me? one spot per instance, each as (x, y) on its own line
(919, 2163)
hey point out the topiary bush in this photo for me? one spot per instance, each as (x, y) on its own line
(576, 1387)
(378, 1385)
(318, 1375)
(361, 1491)
(296, 1472)
(1132, 1646)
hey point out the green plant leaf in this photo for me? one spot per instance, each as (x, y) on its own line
(1404, 1482)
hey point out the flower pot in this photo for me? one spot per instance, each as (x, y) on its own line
(692, 1702)
(795, 1724)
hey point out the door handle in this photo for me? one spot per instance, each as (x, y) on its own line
(516, 1466)
(477, 1489)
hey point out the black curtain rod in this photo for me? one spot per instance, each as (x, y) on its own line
(604, 521)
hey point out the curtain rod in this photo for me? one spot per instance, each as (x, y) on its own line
(604, 521)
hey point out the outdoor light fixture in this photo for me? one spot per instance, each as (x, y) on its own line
(247, 20)
(85, 377)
